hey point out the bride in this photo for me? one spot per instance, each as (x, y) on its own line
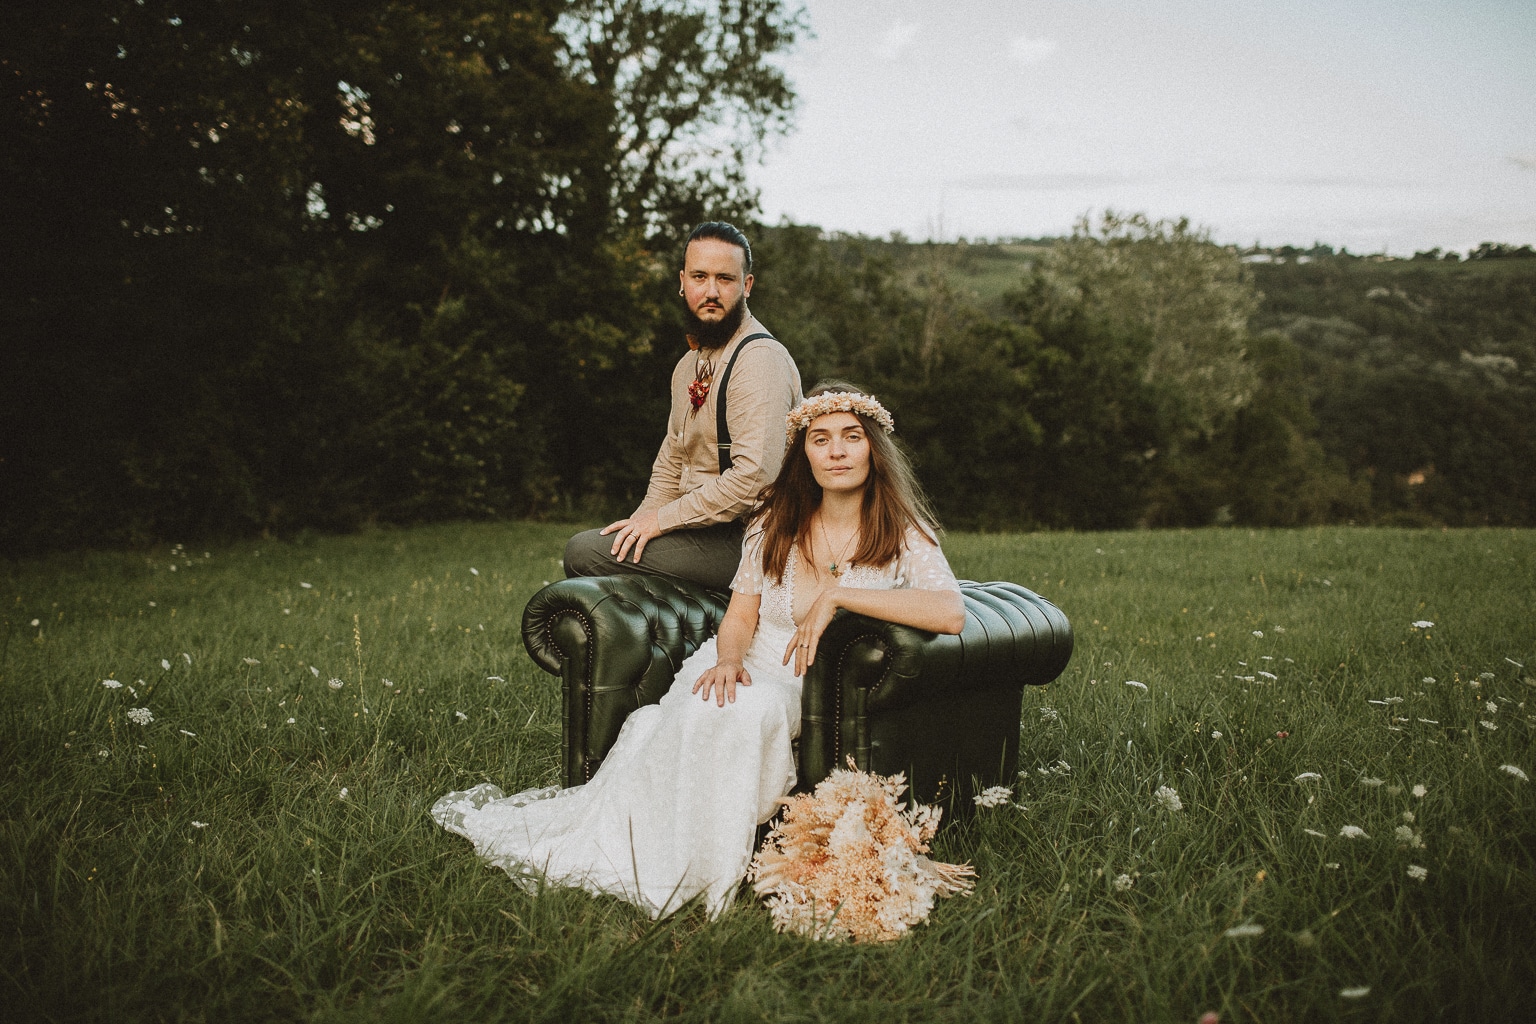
(672, 813)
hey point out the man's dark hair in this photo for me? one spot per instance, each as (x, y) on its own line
(719, 229)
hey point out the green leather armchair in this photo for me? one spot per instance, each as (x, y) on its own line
(943, 709)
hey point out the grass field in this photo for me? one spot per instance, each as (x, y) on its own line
(261, 850)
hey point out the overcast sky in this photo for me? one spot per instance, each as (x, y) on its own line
(1382, 126)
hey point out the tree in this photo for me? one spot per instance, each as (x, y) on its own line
(1189, 298)
(288, 264)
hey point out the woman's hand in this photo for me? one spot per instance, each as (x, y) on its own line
(802, 646)
(723, 678)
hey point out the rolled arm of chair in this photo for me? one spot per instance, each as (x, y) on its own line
(866, 667)
(616, 643)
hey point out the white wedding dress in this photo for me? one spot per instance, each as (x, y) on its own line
(673, 811)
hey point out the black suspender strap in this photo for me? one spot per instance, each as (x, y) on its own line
(722, 430)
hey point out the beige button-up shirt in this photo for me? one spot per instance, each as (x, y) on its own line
(687, 487)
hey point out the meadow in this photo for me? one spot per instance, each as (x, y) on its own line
(254, 844)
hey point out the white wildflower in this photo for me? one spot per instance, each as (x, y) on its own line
(111, 684)
(461, 716)
(1359, 991)
(335, 684)
(1428, 679)
(1215, 734)
(1168, 797)
(1332, 865)
(1408, 817)
(1491, 707)
(1406, 836)
(1516, 772)
(292, 720)
(1353, 832)
(1368, 781)
(250, 661)
(1490, 726)
(1123, 882)
(1423, 624)
(1244, 931)
(307, 586)
(490, 679)
(1486, 677)
(186, 657)
(993, 796)
(1418, 872)
(1268, 675)
(1419, 791)
(1139, 685)
(473, 571)
(37, 622)
(344, 792)
(1308, 777)
(314, 671)
(1314, 832)
(103, 753)
(199, 824)
(1049, 715)
(1430, 721)
(165, 663)
(1259, 633)
(140, 716)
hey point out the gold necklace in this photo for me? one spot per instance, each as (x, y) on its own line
(835, 569)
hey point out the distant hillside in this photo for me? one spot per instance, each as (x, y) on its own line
(1419, 374)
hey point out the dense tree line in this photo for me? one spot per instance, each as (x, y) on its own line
(277, 265)
(274, 264)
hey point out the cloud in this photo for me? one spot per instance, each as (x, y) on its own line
(1025, 50)
(1062, 182)
(896, 38)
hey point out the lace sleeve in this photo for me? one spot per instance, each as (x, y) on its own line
(923, 565)
(749, 574)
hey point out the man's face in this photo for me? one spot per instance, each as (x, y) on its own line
(715, 282)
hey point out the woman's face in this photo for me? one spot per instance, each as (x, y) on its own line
(838, 450)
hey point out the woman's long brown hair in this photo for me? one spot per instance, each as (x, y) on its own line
(893, 500)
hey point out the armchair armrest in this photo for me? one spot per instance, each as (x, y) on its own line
(868, 671)
(616, 643)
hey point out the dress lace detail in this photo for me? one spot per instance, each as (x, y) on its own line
(672, 814)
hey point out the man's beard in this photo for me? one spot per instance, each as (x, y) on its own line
(714, 334)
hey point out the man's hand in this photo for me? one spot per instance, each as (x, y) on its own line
(633, 532)
(723, 679)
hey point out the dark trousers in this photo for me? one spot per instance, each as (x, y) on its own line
(708, 555)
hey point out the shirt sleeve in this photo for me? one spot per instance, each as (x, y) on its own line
(923, 565)
(749, 574)
(763, 388)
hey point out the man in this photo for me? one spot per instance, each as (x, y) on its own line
(687, 527)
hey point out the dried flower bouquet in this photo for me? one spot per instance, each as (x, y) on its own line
(847, 861)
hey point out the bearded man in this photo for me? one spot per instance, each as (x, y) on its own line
(702, 483)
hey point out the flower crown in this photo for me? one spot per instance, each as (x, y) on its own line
(800, 416)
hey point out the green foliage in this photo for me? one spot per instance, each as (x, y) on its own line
(1420, 375)
(295, 901)
(1186, 298)
(283, 265)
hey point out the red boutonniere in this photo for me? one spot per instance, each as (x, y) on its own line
(703, 374)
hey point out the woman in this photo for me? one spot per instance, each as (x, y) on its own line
(672, 814)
